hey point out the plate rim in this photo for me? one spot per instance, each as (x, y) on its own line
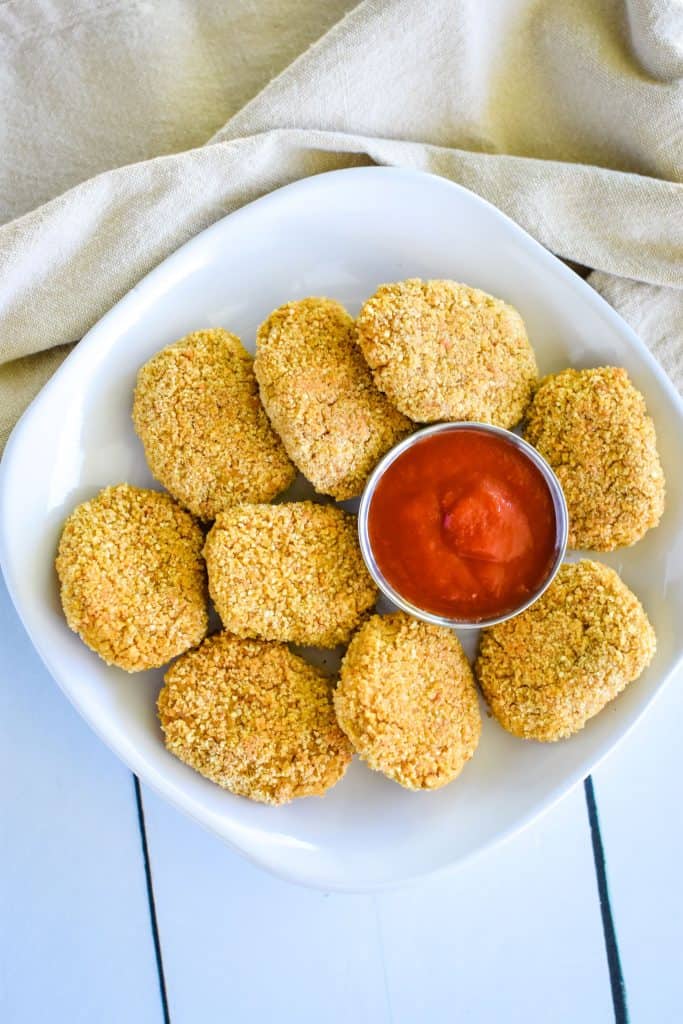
(128, 754)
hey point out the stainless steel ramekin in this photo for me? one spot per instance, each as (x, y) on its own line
(559, 504)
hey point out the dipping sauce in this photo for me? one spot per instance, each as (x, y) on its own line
(462, 524)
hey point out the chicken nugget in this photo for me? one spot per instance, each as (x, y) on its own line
(546, 672)
(407, 701)
(592, 427)
(319, 395)
(291, 572)
(133, 581)
(444, 351)
(206, 436)
(254, 718)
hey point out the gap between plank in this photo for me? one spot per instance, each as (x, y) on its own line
(616, 976)
(150, 900)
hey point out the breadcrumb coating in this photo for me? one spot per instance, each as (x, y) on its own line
(319, 395)
(205, 433)
(546, 672)
(254, 718)
(291, 572)
(133, 582)
(441, 350)
(407, 701)
(592, 427)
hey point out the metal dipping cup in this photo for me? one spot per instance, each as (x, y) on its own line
(559, 505)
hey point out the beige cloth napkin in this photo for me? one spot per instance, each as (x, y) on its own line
(567, 114)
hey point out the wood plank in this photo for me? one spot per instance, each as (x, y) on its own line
(516, 935)
(241, 945)
(77, 942)
(638, 791)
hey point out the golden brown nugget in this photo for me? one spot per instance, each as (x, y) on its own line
(133, 581)
(550, 669)
(254, 718)
(319, 395)
(407, 701)
(205, 433)
(592, 427)
(291, 572)
(441, 350)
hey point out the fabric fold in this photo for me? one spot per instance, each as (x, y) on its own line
(556, 113)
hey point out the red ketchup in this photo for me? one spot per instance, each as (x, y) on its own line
(462, 524)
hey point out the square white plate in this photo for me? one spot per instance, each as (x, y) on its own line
(339, 234)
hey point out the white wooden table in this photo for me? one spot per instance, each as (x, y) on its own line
(115, 908)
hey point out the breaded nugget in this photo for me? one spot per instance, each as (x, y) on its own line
(206, 436)
(443, 351)
(319, 395)
(592, 427)
(550, 669)
(290, 572)
(133, 582)
(407, 701)
(254, 718)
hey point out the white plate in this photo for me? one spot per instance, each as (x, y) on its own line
(341, 235)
